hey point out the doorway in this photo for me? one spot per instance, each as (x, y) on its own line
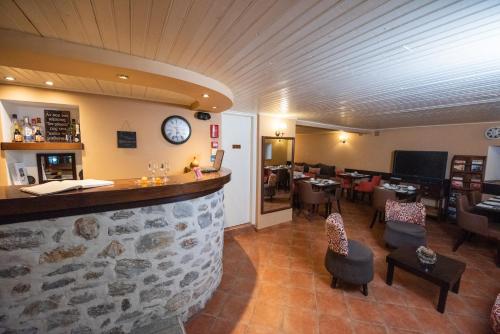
(237, 142)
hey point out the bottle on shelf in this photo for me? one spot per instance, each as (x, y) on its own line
(40, 127)
(70, 132)
(16, 130)
(77, 137)
(38, 134)
(27, 130)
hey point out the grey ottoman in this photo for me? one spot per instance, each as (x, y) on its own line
(398, 234)
(355, 268)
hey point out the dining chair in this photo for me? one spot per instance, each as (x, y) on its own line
(476, 197)
(313, 198)
(380, 197)
(270, 186)
(367, 187)
(345, 182)
(472, 223)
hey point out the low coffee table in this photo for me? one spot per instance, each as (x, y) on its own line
(446, 273)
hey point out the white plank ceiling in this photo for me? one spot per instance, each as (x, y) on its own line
(365, 64)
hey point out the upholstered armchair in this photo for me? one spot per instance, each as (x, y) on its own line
(495, 316)
(308, 196)
(472, 223)
(367, 187)
(380, 197)
(270, 186)
(347, 260)
(405, 224)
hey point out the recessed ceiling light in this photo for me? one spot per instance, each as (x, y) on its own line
(49, 83)
(122, 76)
(206, 96)
(214, 107)
(342, 108)
(9, 78)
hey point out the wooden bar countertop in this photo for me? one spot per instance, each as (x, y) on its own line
(18, 206)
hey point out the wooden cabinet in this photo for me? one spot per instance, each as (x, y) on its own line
(466, 176)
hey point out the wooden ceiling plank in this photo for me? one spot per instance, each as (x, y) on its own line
(207, 26)
(87, 18)
(105, 18)
(190, 28)
(122, 20)
(230, 18)
(34, 13)
(141, 15)
(176, 18)
(11, 17)
(72, 21)
(157, 21)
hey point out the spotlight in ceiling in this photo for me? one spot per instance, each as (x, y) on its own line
(206, 96)
(9, 78)
(214, 107)
(122, 76)
(49, 83)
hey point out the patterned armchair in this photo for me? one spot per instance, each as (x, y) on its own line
(347, 260)
(405, 224)
(495, 316)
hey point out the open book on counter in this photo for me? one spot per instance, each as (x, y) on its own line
(54, 187)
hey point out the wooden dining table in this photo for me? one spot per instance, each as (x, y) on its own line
(352, 177)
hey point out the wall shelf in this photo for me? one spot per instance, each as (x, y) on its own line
(6, 146)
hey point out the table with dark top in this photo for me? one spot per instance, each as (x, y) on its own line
(352, 177)
(489, 207)
(446, 272)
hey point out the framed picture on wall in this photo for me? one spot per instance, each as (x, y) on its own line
(214, 131)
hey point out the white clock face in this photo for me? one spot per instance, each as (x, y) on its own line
(176, 129)
(492, 133)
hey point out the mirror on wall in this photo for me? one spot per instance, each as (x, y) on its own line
(277, 170)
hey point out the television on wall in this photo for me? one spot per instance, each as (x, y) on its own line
(420, 165)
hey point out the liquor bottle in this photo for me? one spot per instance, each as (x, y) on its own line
(17, 136)
(38, 134)
(69, 133)
(77, 138)
(40, 127)
(33, 127)
(27, 130)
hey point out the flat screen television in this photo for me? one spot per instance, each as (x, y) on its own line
(422, 165)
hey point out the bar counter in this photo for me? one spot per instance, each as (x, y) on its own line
(116, 259)
(18, 206)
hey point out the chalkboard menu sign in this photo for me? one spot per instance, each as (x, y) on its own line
(56, 124)
(126, 139)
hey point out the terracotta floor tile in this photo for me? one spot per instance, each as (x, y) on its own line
(215, 304)
(332, 303)
(222, 326)
(275, 282)
(329, 324)
(397, 316)
(236, 308)
(434, 322)
(301, 298)
(200, 324)
(268, 315)
(364, 310)
(300, 321)
(473, 325)
(367, 328)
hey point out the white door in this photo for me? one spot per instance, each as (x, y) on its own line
(236, 137)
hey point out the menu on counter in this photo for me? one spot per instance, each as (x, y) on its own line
(56, 125)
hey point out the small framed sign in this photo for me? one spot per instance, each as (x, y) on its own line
(126, 139)
(214, 131)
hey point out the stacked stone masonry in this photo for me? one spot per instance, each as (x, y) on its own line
(111, 272)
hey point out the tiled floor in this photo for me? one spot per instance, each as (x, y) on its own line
(275, 282)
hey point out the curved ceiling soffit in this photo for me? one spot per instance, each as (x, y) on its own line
(50, 55)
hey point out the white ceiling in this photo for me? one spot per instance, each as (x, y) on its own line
(364, 64)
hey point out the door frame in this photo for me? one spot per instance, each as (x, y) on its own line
(253, 160)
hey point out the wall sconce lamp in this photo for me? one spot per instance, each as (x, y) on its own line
(343, 138)
(280, 130)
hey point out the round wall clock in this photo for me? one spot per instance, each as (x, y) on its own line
(176, 130)
(492, 133)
